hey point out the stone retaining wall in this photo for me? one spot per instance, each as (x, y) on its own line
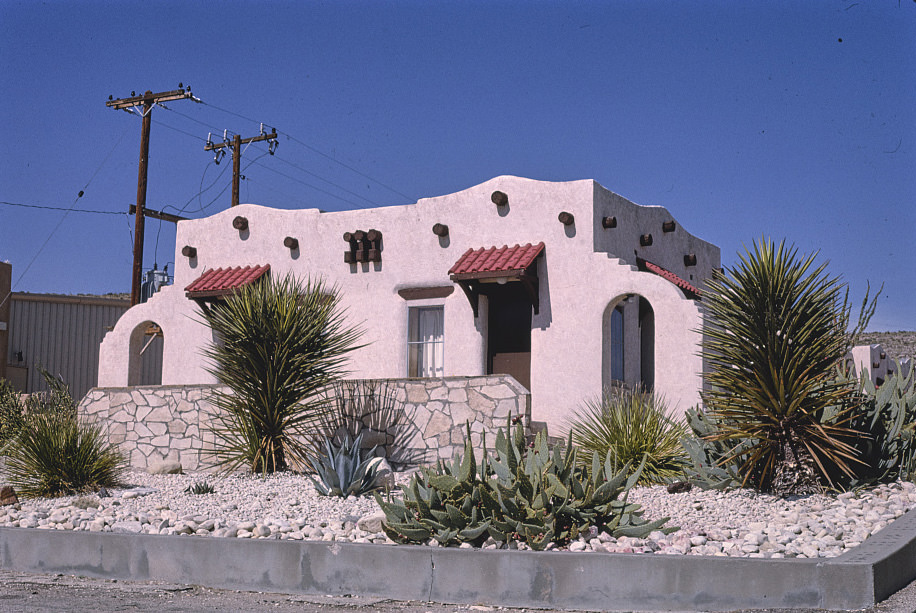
(424, 420)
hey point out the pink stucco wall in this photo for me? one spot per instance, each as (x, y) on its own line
(585, 270)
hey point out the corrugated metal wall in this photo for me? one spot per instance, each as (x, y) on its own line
(62, 334)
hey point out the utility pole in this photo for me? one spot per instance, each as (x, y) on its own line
(236, 144)
(147, 101)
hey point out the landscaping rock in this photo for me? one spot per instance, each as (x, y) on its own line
(371, 523)
(164, 467)
(8, 496)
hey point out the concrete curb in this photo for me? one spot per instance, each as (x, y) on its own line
(591, 581)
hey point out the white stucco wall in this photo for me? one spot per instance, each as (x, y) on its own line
(583, 269)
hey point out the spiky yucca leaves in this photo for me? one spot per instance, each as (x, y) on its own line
(533, 495)
(280, 343)
(55, 454)
(774, 332)
(629, 425)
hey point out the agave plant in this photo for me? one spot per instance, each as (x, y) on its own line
(774, 333)
(525, 493)
(346, 470)
(280, 343)
(628, 424)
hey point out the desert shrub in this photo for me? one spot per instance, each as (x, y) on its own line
(345, 469)
(369, 407)
(280, 343)
(530, 494)
(775, 330)
(56, 454)
(627, 425)
(11, 413)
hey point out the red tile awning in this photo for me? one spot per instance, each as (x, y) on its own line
(495, 262)
(690, 290)
(478, 267)
(219, 282)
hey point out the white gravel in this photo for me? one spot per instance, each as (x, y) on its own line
(734, 523)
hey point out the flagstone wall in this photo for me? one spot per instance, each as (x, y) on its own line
(154, 424)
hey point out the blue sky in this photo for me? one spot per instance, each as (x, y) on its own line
(745, 119)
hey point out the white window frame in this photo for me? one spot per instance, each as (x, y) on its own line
(434, 345)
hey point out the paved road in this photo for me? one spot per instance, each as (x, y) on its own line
(23, 592)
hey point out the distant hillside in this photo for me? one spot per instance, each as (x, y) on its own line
(896, 344)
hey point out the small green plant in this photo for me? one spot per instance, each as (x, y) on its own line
(11, 413)
(280, 344)
(55, 454)
(344, 470)
(628, 425)
(533, 495)
(86, 502)
(199, 487)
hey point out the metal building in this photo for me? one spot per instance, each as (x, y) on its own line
(62, 335)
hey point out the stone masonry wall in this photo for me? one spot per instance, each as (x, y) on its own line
(425, 421)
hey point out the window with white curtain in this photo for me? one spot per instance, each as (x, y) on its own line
(426, 342)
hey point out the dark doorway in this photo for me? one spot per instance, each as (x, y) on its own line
(509, 337)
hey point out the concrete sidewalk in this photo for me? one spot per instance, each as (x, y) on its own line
(858, 579)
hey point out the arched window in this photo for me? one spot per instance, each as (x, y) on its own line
(628, 342)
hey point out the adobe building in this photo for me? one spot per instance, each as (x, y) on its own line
(566, 286)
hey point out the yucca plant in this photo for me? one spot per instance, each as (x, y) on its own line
(774, 332)
(626, 425)
(56, 454)
(280, 342)
(346, 469)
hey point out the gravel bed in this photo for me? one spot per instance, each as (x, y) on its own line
(734, 523)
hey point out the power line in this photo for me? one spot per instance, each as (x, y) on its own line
(319, 152)
(59, 208)
(62, 217)
(315, 187)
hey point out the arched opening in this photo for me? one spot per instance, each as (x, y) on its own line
(646, 344)
(145, 360)
(628, 343)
